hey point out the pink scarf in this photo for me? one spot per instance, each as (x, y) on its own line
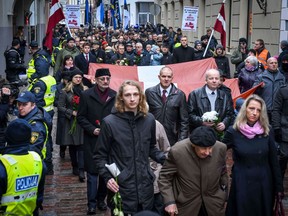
(251, 132)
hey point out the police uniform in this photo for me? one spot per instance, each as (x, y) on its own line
(21, 184)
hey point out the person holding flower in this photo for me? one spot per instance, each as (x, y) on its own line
(121, 58)
(127, 139)
(72, 133)
(210, 98)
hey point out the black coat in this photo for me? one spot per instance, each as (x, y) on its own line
(223, 65)
(183, 54)
(167, 59)
(172, 114)
(256, 176)
(198, 104)
(280, 112)
(91, 111)
(128, 140)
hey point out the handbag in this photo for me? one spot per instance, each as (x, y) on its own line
(278, 208)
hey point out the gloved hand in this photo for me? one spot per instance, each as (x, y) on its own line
(278, 135)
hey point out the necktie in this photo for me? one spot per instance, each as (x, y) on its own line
(213, 93)
(86, 56)
(164, 96)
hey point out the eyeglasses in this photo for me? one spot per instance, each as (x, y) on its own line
(104, 78)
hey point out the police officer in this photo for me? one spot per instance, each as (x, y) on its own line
(21, 184)
(39, 120)
(14, 63)
(39, 64)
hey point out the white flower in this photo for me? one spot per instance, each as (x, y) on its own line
(113, 169)
(210, 116)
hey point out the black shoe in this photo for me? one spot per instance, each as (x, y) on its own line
(81, 175)
(91, 211)
(102, 206)
(75, 171)
(62, 154)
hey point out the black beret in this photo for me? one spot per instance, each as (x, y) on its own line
(203, 136)
(102, 72)
(18, 133)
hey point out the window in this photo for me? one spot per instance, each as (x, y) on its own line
(286, 25)
(144, 14)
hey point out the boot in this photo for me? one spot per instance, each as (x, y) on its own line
(75, 171)
(81, 175)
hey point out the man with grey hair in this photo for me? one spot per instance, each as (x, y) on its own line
(141, 57)
(210, 98)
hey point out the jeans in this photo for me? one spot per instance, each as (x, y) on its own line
(95, 192)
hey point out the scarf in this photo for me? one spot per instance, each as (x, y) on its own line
(251, 131)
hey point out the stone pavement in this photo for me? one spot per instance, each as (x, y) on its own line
(66, 196)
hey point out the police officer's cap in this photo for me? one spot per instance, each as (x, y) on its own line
(18, 133)
(34, 44)
(15, 42)
(203, 136)
(26, 96)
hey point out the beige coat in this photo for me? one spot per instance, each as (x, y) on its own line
(185, 179)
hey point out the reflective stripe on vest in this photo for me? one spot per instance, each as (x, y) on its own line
(262, 57)
(31, 66)
(49, 95)
(22, 182)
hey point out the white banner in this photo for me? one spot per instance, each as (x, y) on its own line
(189, 20)
(73, 16)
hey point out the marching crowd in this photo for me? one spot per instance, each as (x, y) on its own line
(145, 152)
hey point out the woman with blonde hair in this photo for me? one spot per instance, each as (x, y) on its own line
(72, 132)
(256, 177)
(127, 138)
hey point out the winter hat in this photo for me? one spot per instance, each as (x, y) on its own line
(243, 40)
(197, 42)
(18, 133)
(203, 136)
(102, 72)
(15, 42)
(75, 72)
(284, 43)
(285, 57)
(70, 39)
(219, 46)
(34, 44)
(154, 48)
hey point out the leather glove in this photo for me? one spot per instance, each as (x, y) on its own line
(278, 135)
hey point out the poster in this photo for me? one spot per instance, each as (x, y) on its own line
(73, 16)
(189, 20)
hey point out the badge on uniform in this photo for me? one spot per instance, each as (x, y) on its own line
(37, 90)
(34, 137)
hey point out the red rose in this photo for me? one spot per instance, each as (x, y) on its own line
(97, 122)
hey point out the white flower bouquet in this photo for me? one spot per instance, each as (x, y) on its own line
(212, 117)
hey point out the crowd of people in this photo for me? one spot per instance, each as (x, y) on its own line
(152, 150)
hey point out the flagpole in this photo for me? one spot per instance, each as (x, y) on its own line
(206, 49)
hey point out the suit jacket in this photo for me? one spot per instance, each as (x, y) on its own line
(187, 181)
(81, 63)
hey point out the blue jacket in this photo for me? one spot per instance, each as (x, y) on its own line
(36, 118)
(20, 150)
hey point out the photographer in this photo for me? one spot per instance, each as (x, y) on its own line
(14, 63)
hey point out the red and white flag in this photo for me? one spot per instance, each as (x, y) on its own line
(220, 25)
(56, 15)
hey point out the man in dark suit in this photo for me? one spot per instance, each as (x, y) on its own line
(82, 62)
(95, 104)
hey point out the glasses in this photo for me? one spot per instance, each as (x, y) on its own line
(104, 78)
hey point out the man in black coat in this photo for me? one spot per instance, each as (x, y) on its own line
(14, 63)
(168, 105)
(167, 56)
(95, 104)
(82, 62)
(183, 53)
(210, 98)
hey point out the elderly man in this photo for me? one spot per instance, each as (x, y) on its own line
(210, 98)
(193, 179)
(168, 105)
(95, 104)
(272, 80)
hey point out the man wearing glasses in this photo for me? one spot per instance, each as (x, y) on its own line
(95, 104)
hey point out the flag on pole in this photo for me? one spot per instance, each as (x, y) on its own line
(126, 15)
(100, 12)
(56, 15)
(87, 13)
(220, 25)
(115, 13)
